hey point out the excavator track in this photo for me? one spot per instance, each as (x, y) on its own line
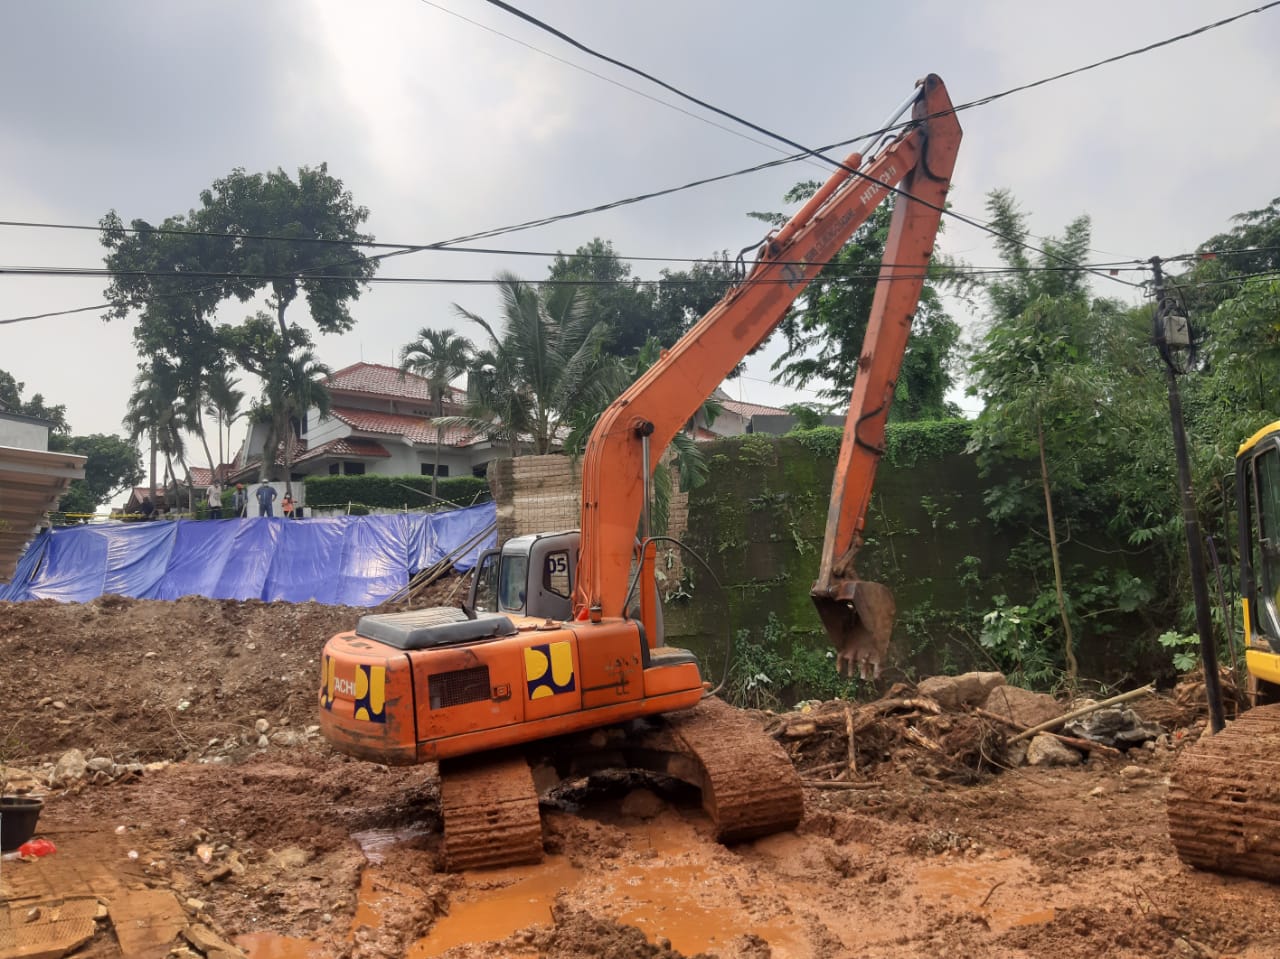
(490, 811)
(1224, 798)
(749, 786)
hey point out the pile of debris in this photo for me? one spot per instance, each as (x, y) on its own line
(955, 729)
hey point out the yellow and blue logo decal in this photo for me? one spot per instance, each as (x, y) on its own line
(367, 689)
(548, 669)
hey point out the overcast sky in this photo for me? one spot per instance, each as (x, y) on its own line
(448, 117)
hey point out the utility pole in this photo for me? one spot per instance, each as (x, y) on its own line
(1172, 332)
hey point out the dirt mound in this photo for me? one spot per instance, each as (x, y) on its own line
(143, 680)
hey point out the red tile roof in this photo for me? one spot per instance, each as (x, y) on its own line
(386, 381)
(346, 446)
(748, 410)
(413, 428)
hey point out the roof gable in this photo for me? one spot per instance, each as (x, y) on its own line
(378, 380)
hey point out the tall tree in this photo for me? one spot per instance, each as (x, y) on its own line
(543, 363)
(223, 401)
(155, 411)
(439, 357)
(1029, 369)
(252, 234)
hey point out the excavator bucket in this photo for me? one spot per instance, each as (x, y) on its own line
(858, 617)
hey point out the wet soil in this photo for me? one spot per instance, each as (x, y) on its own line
(291, 850)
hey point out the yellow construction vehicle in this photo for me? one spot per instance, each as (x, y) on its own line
(1224, 800)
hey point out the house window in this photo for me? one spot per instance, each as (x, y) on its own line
(335, 469)
(481, 471)
(428, 469)
(352, 469)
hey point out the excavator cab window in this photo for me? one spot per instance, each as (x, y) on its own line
(513, 583)
(484, 590)
(1264, 507)
(555, 574)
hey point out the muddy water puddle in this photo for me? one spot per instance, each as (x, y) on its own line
(996, 889)
(689, 902)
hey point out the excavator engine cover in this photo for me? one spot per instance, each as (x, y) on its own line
(858, 617)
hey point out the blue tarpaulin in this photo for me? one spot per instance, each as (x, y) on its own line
(343, 560)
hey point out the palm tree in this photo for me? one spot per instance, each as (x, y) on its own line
(546, 364)
(439, 357)
(156, 411)
(223, 400)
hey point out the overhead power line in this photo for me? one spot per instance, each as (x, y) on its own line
(398, 249)
(819, 154)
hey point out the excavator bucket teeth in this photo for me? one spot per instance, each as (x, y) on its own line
(858, 617)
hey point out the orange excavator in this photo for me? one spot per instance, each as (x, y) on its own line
(554, 669)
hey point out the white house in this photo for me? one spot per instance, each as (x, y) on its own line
(379, 422)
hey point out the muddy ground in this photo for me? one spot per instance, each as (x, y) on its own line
(290, 850)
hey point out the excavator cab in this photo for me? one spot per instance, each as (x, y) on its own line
(529, 576)
(1258, 496)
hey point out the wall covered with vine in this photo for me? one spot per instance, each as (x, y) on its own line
(965, 587)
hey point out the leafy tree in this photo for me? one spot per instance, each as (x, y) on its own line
(1032, 373)
(439, 357)
(684, 296)
(112, 465)
(11, 399)
(824, 329)
(253, 233)
(540, 367)
(608, 294)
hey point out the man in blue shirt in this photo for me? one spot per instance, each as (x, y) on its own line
(266, 496)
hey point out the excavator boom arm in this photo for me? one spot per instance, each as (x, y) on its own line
(658, 405)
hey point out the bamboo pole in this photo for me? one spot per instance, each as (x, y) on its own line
(1084, 711)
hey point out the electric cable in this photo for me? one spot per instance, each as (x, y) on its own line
(818, 154)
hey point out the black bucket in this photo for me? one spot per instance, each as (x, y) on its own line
(18, 815)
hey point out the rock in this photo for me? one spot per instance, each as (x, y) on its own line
(1098, 791)
(261, 726)
(47, 701)
(155, 767)
(1015, 754)
(69, 767)
(290, 857)
(967, 689)
(1022, 705)
(59, 704)
(100, 764)
(263, 742)
(1114, 726)
(150, 655)
(641, 804)
(288, 737)
(1048, 751)
(208, 942)
(1135, 772)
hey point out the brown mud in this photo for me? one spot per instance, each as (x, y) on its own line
(277, 844)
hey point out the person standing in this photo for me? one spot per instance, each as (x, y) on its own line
(266, 496)
(286, 506)
(215, 500)
(240, 502)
